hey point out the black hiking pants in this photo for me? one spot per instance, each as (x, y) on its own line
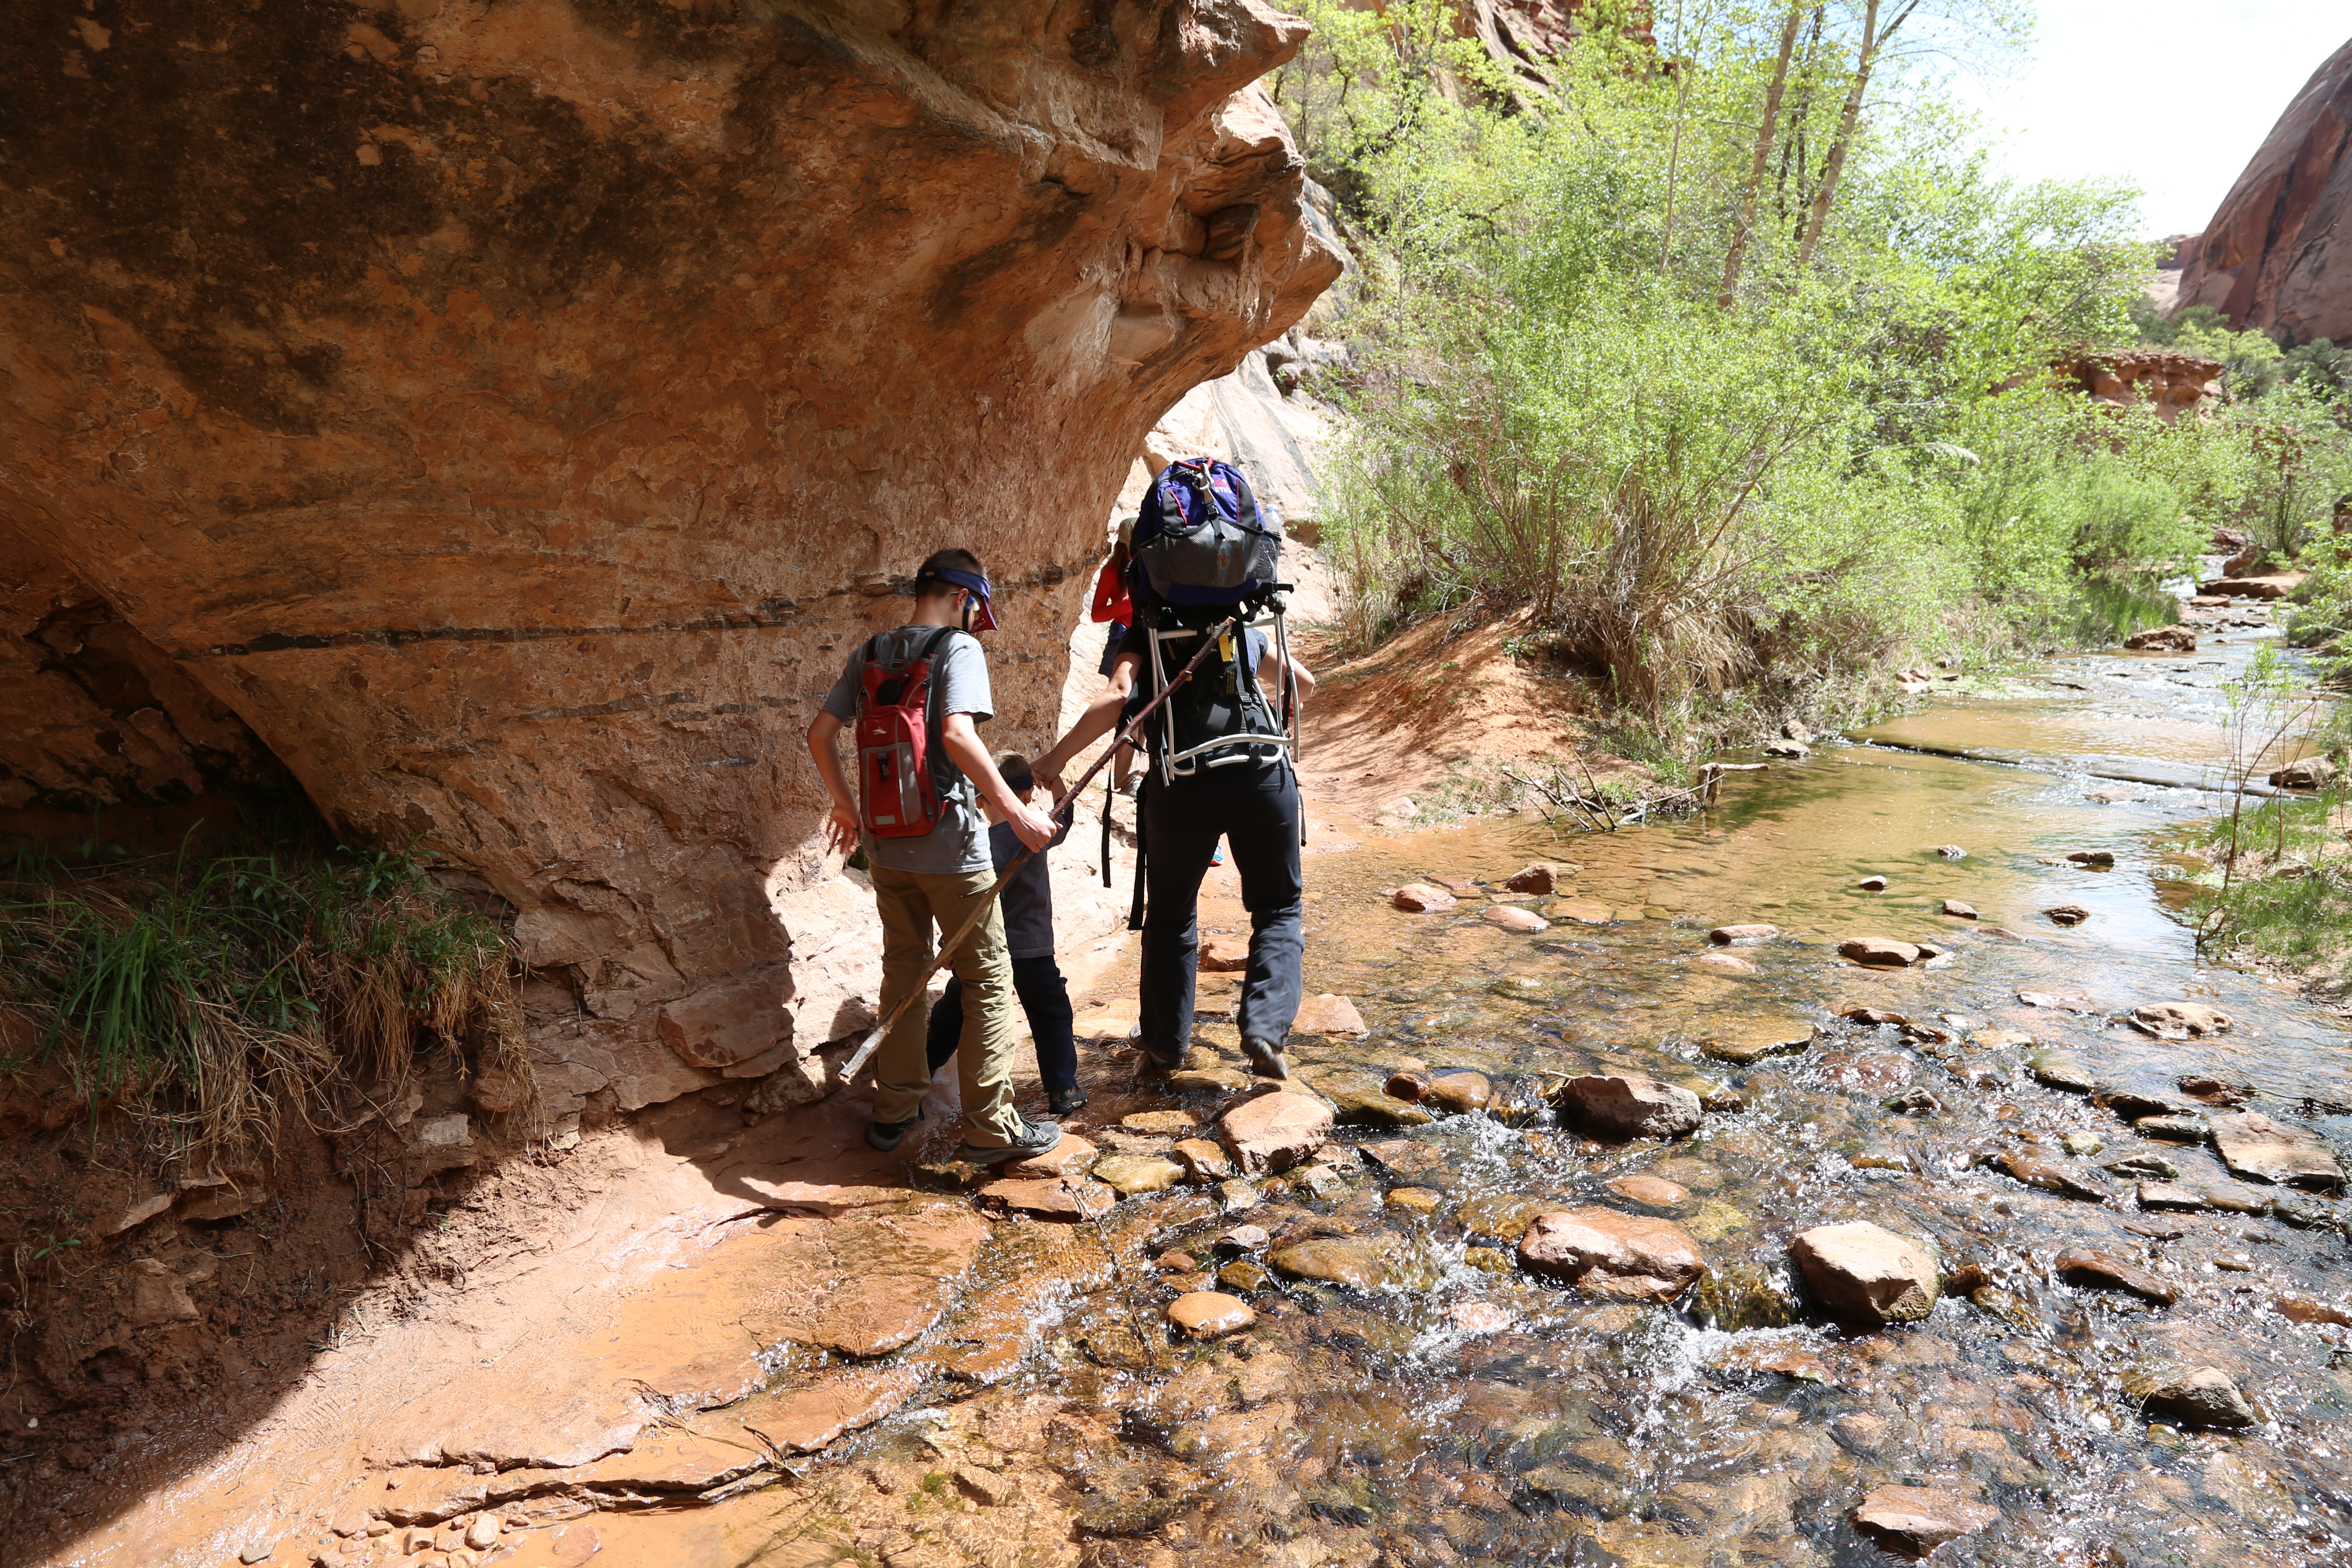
(1044, 997)
(1253, 808)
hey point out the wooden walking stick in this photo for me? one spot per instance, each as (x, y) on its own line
(849, 1069)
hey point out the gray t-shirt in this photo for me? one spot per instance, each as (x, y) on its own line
(959, 843)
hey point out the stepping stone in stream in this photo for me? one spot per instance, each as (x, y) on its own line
(1542, 877)
(1600, 1252)
(1420, 898)
(1745, 1043)
(1329, 1013)
(1624, 1106)
(1867, 1275)
(2253, 1145)
(1879, 952)
(2203, 1398)
(1275, 1131)
(1959, 911)
(1208, 1315)
(2101, 1270)
(2178, 1020)
(1915, 1520)
(1512, 917)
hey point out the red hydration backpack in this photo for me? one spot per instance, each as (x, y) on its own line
(897, 727)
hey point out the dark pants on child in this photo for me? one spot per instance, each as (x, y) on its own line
(1044, 997)
(1254, 810)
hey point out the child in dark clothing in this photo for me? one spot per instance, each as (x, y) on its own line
(1028, 905)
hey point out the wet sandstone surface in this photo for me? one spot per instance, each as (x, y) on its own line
(763, 1344)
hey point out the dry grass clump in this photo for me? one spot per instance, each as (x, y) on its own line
(212, 1001)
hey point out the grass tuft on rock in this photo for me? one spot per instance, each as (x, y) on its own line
(210, 1001)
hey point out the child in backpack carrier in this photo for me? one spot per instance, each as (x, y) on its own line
(1028, 905)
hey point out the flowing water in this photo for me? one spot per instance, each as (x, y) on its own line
(1451, 1408)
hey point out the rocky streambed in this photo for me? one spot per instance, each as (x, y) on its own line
(1785, 1185)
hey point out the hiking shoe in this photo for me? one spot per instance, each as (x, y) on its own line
(1066, 1101)
(1266, 1058)
(884, 1135)
(1034, 1138)
(1151, 1066)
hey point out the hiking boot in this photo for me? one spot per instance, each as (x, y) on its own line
(1034, 1138)
(884, 1135)
(1266, 1058)
(1148, 1065)
(1063, 1102)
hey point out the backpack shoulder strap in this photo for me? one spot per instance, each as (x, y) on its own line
(934, 733)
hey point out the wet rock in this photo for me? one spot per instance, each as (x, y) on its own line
(2303, 1309)
(1639, 1186)
(1744, 1042)
(1742, 935)
(1583, 912)
(1464, 1093)
(2136, 1105)
(1488, 1260)
(2212, 1090)
(2150, 1167)
(1601, 1252)
(1209, 1315)
(1328, 1014)
(1959, 911)
(1356, 1104)
(1714, 1097)
(1793, 750)
(1917, 1102)
(986, 1487)
(2178, 1020)
(2166, 1197)
(1873, 1017)
(2236, 1198)
(1131, 1174)
(2173, 1129)
(2203, 1397)
(1951, 852)
(1242, 1275)
(1275, 1131)
(1866, 1275)
(1050, 1197)
(1223, 955)
(2058, 1001)
(2060, 1070)
(2106, 1271)
(1423, 1201)
(1879, 952)
(1408, 1086)
(2163, 639)
(1159, 1124)
(2098, 859)
(2046, 1175)
(1237, 1194)
(1872, 885)
(1176, 1263)
(2082, 1145)
(1403, 1157)
(1726, 962)
(2309, 772)
(1070, 1157)
(1208, 1080)
(1512, 917)
(1336, 1260)
(2067, 914)
(1317, 1181)
(1543, 877)
(2253, 1145)
(483, 1532)
(1203, 1161)
(1244, 1238)
(1912, 1521)
(1504, 1214)
(1621, 1106)
(1420, 898)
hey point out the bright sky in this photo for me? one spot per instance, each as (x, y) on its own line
(2172, 96)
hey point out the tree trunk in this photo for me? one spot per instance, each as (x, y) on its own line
(1873, 40)
(1764, 134)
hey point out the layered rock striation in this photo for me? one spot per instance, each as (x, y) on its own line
(507, 415)
(2268, 259)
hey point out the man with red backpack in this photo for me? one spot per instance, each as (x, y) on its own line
(915, 696)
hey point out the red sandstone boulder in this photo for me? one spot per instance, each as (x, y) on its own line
(1867, 1275)
(1604, 1253)
(1275, 1131)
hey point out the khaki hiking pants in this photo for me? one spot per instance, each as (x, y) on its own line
(912, 904)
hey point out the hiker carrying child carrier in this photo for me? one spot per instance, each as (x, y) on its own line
(1205, 562)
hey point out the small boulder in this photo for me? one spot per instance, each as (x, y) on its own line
(1745, 1042)
(1542, 877)
(2162, 639)
(483, 1532)
(1464, 1093)
(1512, 917)
(2098, 859)
(1873, 1017)
(1959, 911)
(1872, 885)
(1912, 1521)
(1794, 750)
(1641, 1187)
(1275, 1131)
(1879, 953)
(1328, 1014)
(2254, 1146)
(1867, 1275)
(1621, 1106)
(2308, 772)
(1159, 1123)
(1203, 1162)
(1951, 852)
(1209, 1315)
(1601, 1252)
(2067, 914)
(1742, 935)
(1224, 955)
(1403, 1157)
(1726, 962)
(1335, 1260)
(2047, 1176)
(1131, 1174)
(1408, 1086)
(1414, 1200)
(2203, 1398)
(2178, 1020)
(1420, 898)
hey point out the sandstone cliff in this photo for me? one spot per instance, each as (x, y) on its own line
(2273, 258)
(504, 415)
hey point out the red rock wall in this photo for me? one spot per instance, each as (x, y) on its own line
(512, 412)
(2266, 261)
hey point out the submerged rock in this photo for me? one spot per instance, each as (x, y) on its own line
(1915, 1520)
(1867, 1275)
(1879, 952)
(1604, 1253)
(1403, 1157)
(1745, 1042)
(2178, 1020)
(2067, 914)
(1728, 936)
(1641, 1187)
(1336, 1260)
(2060, 1070)
(2103, 1270)
(1420, 898)
(2047, 1175)
(1208, 1314)
(1620, 1106)
(2252, 1144)
(1512, 917)
(1275, 1131)
(1131, 1174)
(2202, 1396)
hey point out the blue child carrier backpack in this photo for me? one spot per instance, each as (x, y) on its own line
(1204, 538)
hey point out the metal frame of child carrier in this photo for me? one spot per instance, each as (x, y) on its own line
(1175, 764)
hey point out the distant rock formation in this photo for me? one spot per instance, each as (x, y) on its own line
(506, 418)
(2173, 382)
(2273, 257)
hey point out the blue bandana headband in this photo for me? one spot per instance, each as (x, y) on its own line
(977, 586)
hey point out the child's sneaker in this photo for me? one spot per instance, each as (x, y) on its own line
(1063, 1102)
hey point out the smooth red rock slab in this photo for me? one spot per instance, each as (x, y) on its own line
(1070, 1157)
(1159, 1123)
(1112, 1021)
(1224, 955)
(1601, 1252)
(1867, 1275)
(1420, 898)
(1543, 877)
(1625, 1105)
(2253, 1145)
(1209, 1314)
(1050, 1197)
(2086, 1266)
(1329, 1013)
(1728, 936)
(1879, 952)
(868, 1286)
(1641, 1187)
(1202, 1160)
(1512, 917)
(802, 1420)
(1275, 1131)
(1914, 1520)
